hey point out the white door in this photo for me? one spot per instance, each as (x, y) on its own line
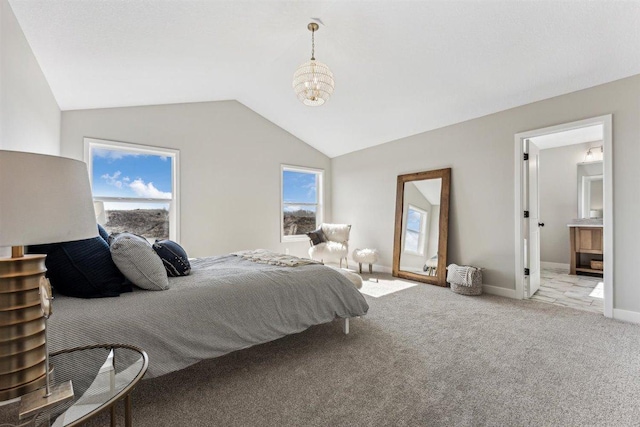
(532, 223)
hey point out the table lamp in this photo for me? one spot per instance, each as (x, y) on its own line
(43, 199)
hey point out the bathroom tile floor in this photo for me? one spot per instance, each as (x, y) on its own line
(558, 287)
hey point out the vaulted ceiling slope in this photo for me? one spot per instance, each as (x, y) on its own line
(401, 67)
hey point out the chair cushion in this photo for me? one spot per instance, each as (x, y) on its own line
(317, 236)
(328, 251)
(138, 262)
(173, 256)
(336, 232)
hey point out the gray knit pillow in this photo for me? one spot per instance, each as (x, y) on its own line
(135, 258)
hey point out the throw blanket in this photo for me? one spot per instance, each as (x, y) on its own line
(263, 256)
(460, 274)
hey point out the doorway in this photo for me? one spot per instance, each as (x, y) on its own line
(530, 272)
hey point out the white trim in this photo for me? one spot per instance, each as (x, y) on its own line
(319, 198)
(499, 291)
(379, 268)
(626, 315)
(545, 264)
(174, 214)
(606, 122)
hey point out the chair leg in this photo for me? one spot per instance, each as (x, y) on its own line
(360, 267)
(340, 262)
(346, 261)
(370, 268)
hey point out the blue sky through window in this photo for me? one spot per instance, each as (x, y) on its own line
(132, 175)
(299, 187)
(413, 220)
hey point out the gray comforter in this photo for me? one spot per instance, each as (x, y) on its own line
(225, 304)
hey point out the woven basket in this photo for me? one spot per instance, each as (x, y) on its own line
(474, 289)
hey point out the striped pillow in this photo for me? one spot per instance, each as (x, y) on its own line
(138, 262)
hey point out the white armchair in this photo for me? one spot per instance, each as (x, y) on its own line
(336, 246)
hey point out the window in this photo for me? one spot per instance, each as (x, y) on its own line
(301, 201)
(134, 188)
(414, 236)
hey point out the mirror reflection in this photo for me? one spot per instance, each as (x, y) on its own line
(590, 200)
(420, 230)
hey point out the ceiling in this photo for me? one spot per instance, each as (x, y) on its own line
(570, 137)
(401, 67)
(430, 189)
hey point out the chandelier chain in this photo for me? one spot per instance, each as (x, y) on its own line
(313, 45)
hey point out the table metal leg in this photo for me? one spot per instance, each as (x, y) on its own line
(127, 411)
(113, 415)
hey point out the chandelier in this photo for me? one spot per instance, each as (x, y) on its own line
(313, 81)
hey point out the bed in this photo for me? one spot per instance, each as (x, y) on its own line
(227, 303)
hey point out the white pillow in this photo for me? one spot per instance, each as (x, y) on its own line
(135, 258)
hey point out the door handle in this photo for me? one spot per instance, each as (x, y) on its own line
(541, 224)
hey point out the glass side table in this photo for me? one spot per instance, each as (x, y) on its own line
(102, 375)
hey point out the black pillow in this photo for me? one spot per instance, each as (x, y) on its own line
(174, 258)
(82, 269)
(317, 236)
(103, 233)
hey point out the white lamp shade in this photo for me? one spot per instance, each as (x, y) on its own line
(44, 199)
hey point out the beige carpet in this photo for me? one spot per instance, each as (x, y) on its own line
(422, 357)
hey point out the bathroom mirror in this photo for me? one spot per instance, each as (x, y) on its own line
(590, 200)
(422, 224)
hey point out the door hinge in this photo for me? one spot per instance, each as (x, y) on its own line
(526, 156)
(526, 214)
(526, 271)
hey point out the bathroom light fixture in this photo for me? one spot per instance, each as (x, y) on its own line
(589, 156)
(313, 81)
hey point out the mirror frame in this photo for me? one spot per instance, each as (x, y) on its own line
(441, 278)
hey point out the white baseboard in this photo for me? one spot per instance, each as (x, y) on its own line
(545, 264)
(626, 315)
(376, 268)
(497, 290)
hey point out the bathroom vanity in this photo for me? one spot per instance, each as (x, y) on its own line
(586, 246)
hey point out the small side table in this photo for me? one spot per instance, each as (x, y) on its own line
(368, 256)
(102, 375)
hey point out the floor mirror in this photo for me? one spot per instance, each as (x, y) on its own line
(422, 225)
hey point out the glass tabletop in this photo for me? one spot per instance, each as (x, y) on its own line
(100, 375)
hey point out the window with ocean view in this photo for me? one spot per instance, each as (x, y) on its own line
(134, 188)
(301, 201)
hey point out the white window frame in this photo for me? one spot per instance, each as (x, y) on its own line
(422, 233)
(319, 198)
(174, 202)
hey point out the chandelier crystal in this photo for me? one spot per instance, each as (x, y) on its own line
(313, 81)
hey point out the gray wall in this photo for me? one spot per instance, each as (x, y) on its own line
(230, 167)
(558, 199)
(29, 114)
(481, 154)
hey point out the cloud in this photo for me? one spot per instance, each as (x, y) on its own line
(112, 154)
(149, 191)
(113, 179)
(311, 189)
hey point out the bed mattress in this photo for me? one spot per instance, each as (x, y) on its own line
(225, 304)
